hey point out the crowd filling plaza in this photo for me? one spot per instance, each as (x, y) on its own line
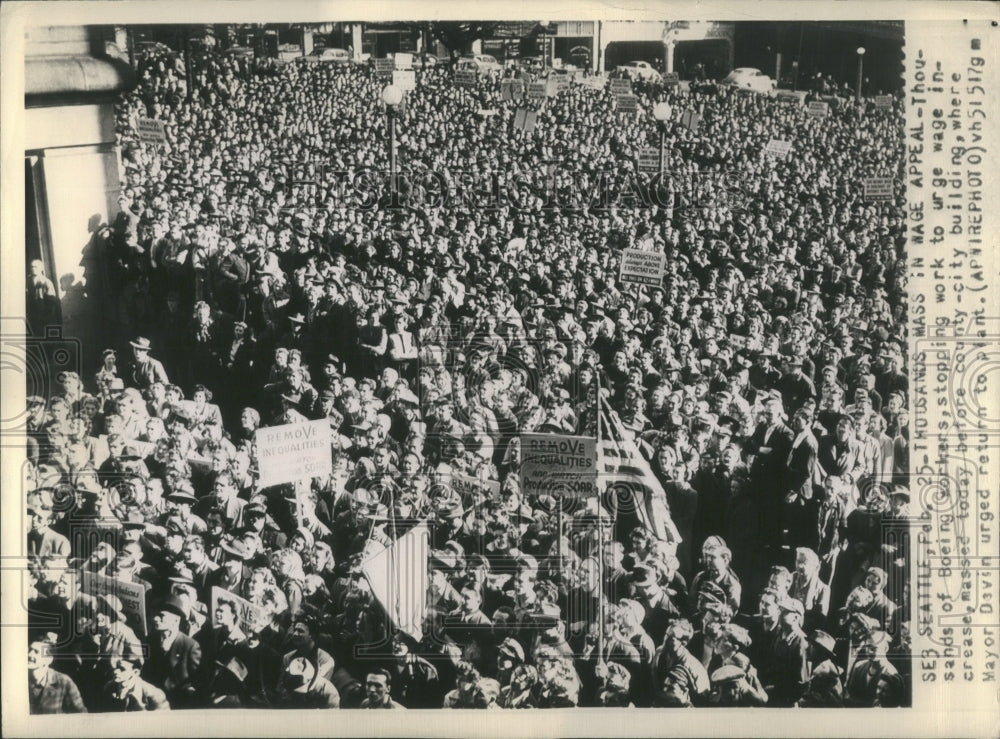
(742, 413)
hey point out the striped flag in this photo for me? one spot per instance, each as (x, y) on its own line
(399, 578)
(637, 491)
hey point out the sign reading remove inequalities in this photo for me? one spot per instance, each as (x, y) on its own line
(878, 188)
(558, 465)
(131, 594)
(294, 451)
(247, 614)
(649, 159)
(642, 267)
(151, 130)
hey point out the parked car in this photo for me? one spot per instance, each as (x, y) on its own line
(480, 62)
(425, 60)
(749, 79)
(332, 56)
(640, 71)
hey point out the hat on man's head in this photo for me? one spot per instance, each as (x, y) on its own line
(141, 343)
(824, 643)
(173, 604)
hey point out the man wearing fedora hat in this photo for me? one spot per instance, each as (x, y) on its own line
(145, 370)
(174, 663)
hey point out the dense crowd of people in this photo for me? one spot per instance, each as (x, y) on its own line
(257, 279)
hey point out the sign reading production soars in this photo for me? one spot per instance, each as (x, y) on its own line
(294, 451)
(642, 267)
(878, 188)
(151, 130)
(558, 465)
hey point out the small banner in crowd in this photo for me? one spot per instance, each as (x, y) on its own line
(525, 119)
(626, 102)
(690, 120)
(558, 465)
(538, 91)
(294, 451)
(818, 109)
(131, 594)
(511, 89)
(151, 131)
(878, 188)
(787, 96)
(778, 148)
(247, 614)
(384, 67)
(471, 487)
(403, 60)
(642, 267)
(883, 102)
(649, 159)
(465, 78)
(671, 79)
(621, 86)
(405, 79)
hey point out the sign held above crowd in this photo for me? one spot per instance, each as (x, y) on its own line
(294, 452)
(642, 267)
(558, 465)
(878, 188)
(151, 131)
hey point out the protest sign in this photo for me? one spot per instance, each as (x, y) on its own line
(524, 119)
(470, 487)
(405, 79)
(671, 79)
(465, 78)
(294, 451)
(778, 148)
(626, 102)
(558, 465)
(787, 96)
(878, 188)
(402, 60)
(649, 159)
(384, 67)
(151, 131)
(131, 594)
(538, 90)
(690, 120)
(818, 109)
(621, 86)
(642, 267)
(883, 102)
(511, 89)
(247, 614)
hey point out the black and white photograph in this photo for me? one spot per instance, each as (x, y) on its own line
(417, 364)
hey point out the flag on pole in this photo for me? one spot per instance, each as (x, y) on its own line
(637, 490)
(399, 578)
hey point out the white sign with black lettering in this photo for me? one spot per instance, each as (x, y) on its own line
(642, 267)
(294, 451)
(558, 465)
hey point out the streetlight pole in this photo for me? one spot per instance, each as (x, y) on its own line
(392, 96)
(861, 67)
(661, 112)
